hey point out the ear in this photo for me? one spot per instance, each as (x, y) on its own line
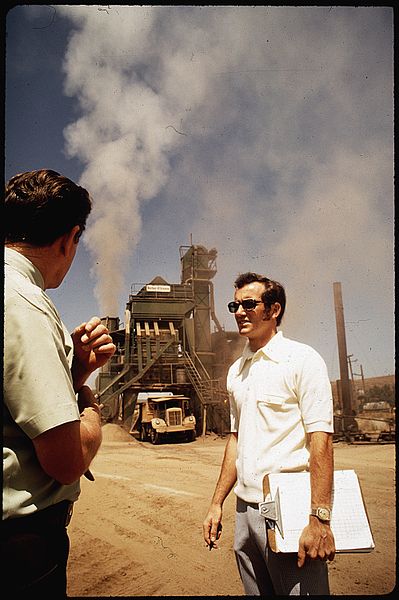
(273, 311)
(70, 239)
(276, 310)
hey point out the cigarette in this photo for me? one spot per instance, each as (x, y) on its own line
(89, 475)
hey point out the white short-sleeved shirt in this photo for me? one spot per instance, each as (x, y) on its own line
(38, 389)
(277, 395)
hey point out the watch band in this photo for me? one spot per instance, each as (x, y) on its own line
(322, 513)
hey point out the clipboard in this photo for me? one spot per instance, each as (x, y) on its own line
(286, 508)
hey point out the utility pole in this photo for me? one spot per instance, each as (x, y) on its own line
(362, 376)
(350, 361)
(345, 386)
(363, 391)
(353, 385)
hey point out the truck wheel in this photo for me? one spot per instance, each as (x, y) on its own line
(191, 436)
(154, 436)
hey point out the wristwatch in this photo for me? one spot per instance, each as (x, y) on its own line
(322, 513)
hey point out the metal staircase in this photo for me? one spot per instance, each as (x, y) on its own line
(124, 386)
(209, 391)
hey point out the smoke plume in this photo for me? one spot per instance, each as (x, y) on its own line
(264, 131)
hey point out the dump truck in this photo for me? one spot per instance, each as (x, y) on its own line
(160, 415)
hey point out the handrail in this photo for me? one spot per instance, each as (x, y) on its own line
(113, 382)
(211, 386)
(192, 363)
(139, 375)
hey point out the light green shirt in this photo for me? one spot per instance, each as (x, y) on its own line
(38, 389)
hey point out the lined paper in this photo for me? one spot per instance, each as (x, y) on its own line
(349, 522)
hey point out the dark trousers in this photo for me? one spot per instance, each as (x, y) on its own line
(35, 551)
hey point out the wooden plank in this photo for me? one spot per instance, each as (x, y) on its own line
(147, 341)
(157, 337)
(139, 350)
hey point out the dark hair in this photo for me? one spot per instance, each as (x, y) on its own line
(40, 206)
(274, 291)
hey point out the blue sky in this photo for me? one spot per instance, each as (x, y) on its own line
(265, 132)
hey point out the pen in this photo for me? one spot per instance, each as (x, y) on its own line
(211, 542)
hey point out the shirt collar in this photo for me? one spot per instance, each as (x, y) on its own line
(273, 350)
(23, 265)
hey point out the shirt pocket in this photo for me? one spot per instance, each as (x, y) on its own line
(271, 408)
(272, 400)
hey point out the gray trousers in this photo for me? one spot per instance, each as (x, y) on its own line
(267, 573)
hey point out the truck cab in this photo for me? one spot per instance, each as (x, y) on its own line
(159, 415)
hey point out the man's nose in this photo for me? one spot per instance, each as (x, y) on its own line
(240, 310)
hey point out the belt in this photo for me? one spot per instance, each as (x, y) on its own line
(55, 516)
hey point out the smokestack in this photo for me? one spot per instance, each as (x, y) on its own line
(342, 352)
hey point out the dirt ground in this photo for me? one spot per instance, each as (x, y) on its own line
(137, 529)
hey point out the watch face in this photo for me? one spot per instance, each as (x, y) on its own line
(323, 514)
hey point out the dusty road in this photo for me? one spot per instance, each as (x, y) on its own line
(137, 529)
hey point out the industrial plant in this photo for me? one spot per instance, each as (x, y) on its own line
(168, 375)
(168, 345)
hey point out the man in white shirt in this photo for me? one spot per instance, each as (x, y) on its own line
(51, 421)
(281, 414)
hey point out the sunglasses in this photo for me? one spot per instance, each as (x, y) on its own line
(248, 304)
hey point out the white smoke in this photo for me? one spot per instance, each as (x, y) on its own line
(265, 131)
(123, 135)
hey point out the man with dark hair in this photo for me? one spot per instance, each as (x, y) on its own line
(281, 414)
(51, 420)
